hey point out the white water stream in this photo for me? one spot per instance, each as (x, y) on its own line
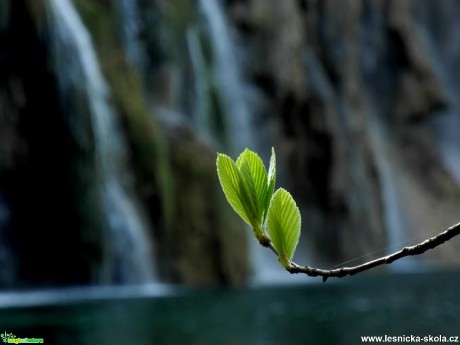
(242, 130)
(77, 67)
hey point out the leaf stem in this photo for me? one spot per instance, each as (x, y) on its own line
(261, 234)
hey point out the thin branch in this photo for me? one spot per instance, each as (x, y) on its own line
(406, 251)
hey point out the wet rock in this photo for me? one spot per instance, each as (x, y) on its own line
(207, 242)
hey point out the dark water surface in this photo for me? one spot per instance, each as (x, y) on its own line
(338, 312)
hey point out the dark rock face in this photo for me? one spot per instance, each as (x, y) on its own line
(312, 78)
(206, 236)
(354, 87)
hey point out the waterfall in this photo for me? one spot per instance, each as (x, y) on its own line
(392, 207)
(78, 69)
(446, 128)
(228, 76)
(445, 49)
(232, 93)
(129, 17)
(389, 173)
(202, 105)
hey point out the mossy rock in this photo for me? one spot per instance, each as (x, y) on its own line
(209, 243)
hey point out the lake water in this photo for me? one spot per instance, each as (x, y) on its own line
(337, 312)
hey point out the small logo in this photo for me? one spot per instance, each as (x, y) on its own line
(10, 338)
(6, 336)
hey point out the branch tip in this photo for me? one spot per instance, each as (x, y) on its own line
(417, 249)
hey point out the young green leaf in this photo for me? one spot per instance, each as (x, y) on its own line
(271, 184)
(256, 179)
(283, 222)
(248, 193)
(231, 183)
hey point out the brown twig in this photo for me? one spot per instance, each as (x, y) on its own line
(406, 251)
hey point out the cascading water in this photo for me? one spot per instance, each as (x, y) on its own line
(238, 117)
(392, 208)
(128, 12)
(446, 125)
(392, 200)
(446, 128)
(202, 106)
(228, 78)
(77, 68)
(446, 50)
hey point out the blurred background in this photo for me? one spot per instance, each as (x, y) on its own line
(113, 225)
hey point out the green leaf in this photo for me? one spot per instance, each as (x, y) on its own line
(231, 183)
(248, 193)
(283, 222)
(256, 179)
(271, 184)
